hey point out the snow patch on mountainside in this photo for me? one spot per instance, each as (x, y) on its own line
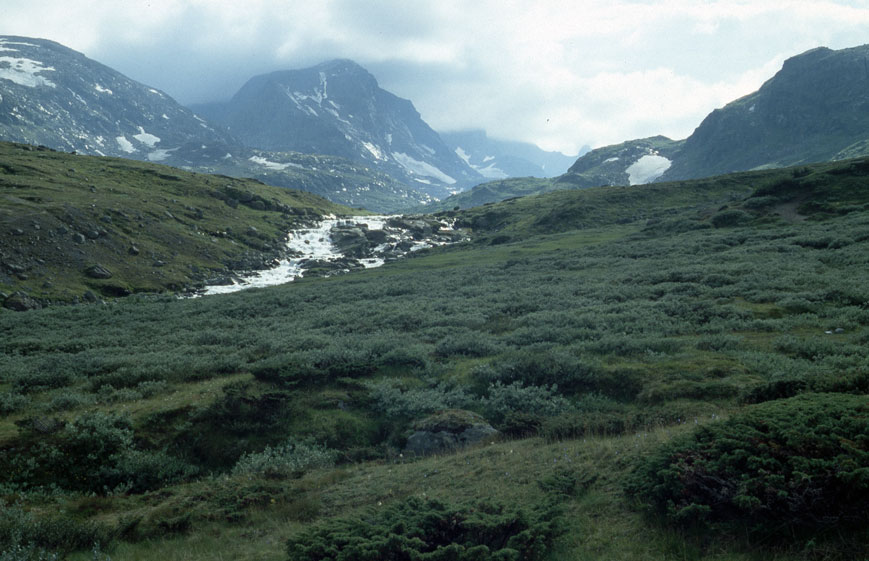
(421, 168)
(374, 150)
(24, 71)
(269, 164)
(101, 89)
(647, 169)
(489, 172)
(147, 139)
(160, 154)
(124, 144)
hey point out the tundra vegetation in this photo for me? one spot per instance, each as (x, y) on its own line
(677, 371)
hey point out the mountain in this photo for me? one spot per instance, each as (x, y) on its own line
(816, 108)
(500, 159)
(54, 96)
(338, 108)
(57, 97)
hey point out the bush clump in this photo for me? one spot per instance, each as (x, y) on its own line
(798, 464)
(429, 530)
(287, 460)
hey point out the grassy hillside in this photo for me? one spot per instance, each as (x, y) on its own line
(600, 331)
(153, 228)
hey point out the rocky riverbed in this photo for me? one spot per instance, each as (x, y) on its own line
(339, 245)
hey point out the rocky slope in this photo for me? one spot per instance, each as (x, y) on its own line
(338, 108)
(816, 108)
(500, 159)
(57, 97)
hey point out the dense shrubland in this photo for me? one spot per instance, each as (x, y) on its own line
(612, 329)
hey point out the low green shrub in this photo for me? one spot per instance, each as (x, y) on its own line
(391, 400)
(539, 401)
(95, 453)
(10, 402)
(288, 460)
(775, 469)
(429, 530)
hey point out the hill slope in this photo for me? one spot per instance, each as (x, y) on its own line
(72, 224)
(594, 329)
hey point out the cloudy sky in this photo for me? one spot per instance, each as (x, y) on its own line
(559, 73)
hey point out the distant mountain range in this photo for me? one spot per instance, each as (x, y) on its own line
(338, 108)
(500, 159)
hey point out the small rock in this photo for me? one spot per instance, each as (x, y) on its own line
(78, 238)
(838, 331)
(20, 302)
(159, 263)
(98, 272)
(17, 232)
(133, 250)
(90, 297)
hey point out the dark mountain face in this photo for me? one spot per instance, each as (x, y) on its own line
(500, 159)
(816, 108)
(57, 97)
(338, 108)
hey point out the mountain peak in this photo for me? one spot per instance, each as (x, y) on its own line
(337, 108)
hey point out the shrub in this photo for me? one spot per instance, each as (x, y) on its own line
(539, 401)
(95, 453)
(799, 464)
(287, 460)
(10, 402)
(391, 401)
(429, 530)
(730, 217)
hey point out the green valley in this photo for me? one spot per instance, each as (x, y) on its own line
(674, 371)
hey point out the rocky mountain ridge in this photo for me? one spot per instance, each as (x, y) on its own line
(338, 108)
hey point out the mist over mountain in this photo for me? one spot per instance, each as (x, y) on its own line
(338, 108)
(500, 159)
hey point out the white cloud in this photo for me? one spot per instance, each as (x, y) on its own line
(555, 72)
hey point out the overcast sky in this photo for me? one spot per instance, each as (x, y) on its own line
(561, 74)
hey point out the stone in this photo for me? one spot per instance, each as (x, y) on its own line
(17, 232)
(446, 431)
(133, 250)
(98, 272)
(89, 296)
(20, 302)
(78, 238)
